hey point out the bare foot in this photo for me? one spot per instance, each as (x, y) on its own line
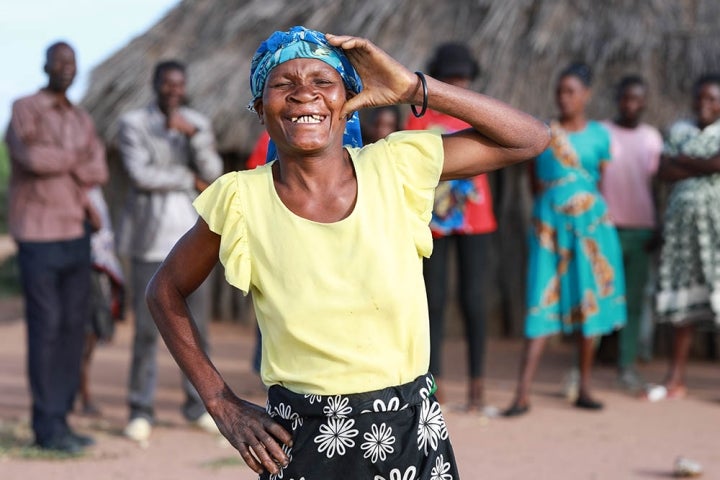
(476, 401)
(676, 391)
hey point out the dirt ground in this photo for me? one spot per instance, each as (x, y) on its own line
(630, 439)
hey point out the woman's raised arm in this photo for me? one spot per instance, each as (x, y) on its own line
(500, 135)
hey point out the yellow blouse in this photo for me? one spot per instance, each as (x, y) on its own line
(341, 306)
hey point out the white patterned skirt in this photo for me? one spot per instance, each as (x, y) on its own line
(395, 433)
(689, 268)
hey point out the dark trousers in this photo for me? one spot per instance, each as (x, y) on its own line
(471, 253)
(55, 280)
(143, 370)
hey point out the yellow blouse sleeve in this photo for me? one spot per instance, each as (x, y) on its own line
(219, 205)
(418, 157)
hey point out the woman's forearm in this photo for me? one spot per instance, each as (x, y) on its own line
(671, 171)
(521, 135)
(698, 166)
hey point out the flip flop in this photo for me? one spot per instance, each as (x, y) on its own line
(516, 411)
(588, 403)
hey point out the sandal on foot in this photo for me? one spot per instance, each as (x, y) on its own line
(588, 403)
(516, 410)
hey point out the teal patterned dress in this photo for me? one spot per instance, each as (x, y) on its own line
(575, 274)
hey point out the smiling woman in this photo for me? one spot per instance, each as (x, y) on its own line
(301, 103)
(329, 238)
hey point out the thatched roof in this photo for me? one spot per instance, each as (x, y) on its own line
(521, 45)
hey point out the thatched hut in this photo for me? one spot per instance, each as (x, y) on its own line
(520, 44)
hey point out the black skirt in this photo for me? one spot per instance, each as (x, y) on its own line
(397, 433)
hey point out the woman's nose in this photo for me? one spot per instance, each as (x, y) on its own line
(304, 92)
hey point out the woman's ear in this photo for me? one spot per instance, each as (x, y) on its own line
(258, 107)
(349, 94)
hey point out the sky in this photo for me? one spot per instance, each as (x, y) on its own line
(95, 28)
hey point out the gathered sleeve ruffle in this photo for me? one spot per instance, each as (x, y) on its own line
(418, 157)
(220, 206)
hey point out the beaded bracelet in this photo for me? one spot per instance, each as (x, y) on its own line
(425, 97)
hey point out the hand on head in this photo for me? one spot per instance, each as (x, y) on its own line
(385, 80)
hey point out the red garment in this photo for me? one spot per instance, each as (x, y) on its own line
(478, 212)
(259, 153)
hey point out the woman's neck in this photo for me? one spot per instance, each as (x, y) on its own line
(703, 125)
(573, 123)
(313, 173)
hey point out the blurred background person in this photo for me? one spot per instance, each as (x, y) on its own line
(56, 157)
(575, 275)
(377, 123)
(627, 186)
(462, 217)
(107, 296)
(168, 150)
(689, 270)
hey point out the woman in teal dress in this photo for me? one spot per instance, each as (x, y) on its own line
(575, 276)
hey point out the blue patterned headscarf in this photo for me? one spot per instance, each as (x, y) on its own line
(300, 42)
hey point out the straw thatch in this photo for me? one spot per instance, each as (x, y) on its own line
(520, 44)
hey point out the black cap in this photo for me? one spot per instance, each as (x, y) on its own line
(453, 60)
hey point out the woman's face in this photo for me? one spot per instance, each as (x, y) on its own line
(301, 106)
(571, 96)
(462, 82)
(707, 104)
(385, 123)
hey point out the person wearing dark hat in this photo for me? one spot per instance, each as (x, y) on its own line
(463, 217)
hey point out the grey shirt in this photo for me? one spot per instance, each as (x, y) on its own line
(162, 165)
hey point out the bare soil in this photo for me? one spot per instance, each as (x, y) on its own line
(629, 439)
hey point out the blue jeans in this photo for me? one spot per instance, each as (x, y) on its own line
(143, 370)
(55, 279)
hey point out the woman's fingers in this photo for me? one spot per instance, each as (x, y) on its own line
(255, 435)
(278, 432)
(385, 80)
(269, 451)
(261, 452)
(249, 458)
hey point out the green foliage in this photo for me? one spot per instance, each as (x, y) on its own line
(15, 442)
(9, 283)
(4, 179)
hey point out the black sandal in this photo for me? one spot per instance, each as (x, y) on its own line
(588, 403)
(516, 410)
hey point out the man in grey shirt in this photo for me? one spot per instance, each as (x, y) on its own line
(169, 153)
